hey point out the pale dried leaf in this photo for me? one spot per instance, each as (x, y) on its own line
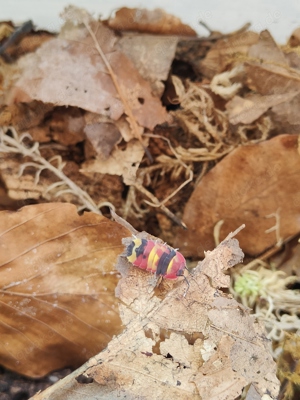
(58, 306)
(246, 110)
(71, 72)
(159, 353)
(124, 163)
(152, 56)
(218, 379)
(247, 186)
(103, 137)
(266, 49)
(125, 130)
(102, 134)
(76, 15)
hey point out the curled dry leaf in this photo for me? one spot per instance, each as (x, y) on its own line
(57, 273)
(225, 51)
(204, 345)
(156, 21)
(257, 185)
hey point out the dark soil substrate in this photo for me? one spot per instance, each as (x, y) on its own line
(17, 387)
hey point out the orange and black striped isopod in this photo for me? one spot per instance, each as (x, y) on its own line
(157, 258)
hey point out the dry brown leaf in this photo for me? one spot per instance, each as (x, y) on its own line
(204, 345)
(246, 110)
(152, 56)
(293, 57)
(40, 134)
(286, 115)
(29, 43)
(69, 71)
(58, 306)
(268, 71)
(247, 186)
(268, 79)
(224, 51)
(24, 116)
(149, 21)
(102, 134)
(103, 137)
(274, 75)
(66, 126)
(294, 40)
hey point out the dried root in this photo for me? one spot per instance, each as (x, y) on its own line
(199, 117)
(176, 166)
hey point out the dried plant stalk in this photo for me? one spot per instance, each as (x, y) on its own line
(16, 145)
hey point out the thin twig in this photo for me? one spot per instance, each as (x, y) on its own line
(216, 36)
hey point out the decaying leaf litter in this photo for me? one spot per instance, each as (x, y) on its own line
(90, 100)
